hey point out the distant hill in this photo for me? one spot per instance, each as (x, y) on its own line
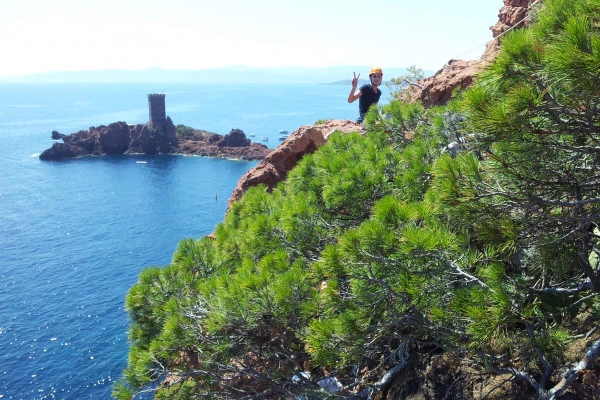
(234, 74)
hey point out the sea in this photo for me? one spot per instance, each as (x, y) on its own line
(75, 234)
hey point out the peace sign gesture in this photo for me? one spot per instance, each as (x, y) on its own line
(355, 79)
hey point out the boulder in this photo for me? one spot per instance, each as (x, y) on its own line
(235, 138)
(115, 138)
(56, 135)
(438, 89)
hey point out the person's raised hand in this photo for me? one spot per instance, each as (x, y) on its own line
(355, 79)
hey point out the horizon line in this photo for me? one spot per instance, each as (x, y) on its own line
(232, 67)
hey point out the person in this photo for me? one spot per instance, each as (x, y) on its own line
(368, 94)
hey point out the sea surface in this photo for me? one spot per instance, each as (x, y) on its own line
(75, 234)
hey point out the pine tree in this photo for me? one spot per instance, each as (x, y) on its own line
(469, 229)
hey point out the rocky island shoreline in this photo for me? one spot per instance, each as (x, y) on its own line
(158, 136)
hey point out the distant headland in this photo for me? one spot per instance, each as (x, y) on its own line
(158, 136)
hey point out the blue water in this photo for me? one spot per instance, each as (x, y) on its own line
(74, 235)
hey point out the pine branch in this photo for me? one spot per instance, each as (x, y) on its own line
(583, 286)
(383, 383)
(572, 374)
(424, 321)
(540, 354)
(458, 271)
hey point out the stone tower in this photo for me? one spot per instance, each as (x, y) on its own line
(156, 107)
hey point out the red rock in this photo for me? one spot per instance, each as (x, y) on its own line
(235, 138)
(115, 139)
(153, 140)
(275, 166)
(120, 138)
(438, 89)
(458, 74)
(233, 145)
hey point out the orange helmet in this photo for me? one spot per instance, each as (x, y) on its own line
(375, 70)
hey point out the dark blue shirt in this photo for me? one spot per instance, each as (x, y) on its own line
(367, 99)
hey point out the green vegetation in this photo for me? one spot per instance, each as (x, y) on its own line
(184, 131)
(469, 229)
(398, 84)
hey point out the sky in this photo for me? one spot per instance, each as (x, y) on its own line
(75, 35)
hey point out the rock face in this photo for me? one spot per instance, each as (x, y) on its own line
(112, 139)
(275, 166)
(120, 138)
(116, 138)
(149, 139)
(235, 138)
(458, 74)
(233, 145)
(513, 12)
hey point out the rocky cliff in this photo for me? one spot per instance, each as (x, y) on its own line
(459, 74)
(120, 138)
(275, 166)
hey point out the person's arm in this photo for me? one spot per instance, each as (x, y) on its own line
(354, 94)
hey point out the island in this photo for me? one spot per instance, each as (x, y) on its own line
(158, 136)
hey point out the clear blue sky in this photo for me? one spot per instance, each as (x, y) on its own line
(74, 35)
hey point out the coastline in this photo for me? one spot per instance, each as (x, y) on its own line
(120, 138)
